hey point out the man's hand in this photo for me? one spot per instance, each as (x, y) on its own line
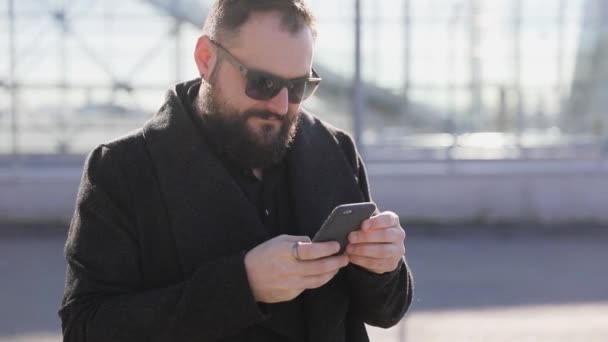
(379, 245)
(276, 275)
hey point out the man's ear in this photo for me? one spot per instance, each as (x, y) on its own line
(205, 56)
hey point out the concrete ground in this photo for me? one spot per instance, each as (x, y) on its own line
(471, 285)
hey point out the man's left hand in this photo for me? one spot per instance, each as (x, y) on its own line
(379, 244)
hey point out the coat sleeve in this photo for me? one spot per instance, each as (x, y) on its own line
(104, 296)
(378, 299)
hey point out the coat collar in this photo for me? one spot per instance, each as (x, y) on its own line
(210, 216)
(321, 176)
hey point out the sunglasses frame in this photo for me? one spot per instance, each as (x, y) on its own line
(313, 80)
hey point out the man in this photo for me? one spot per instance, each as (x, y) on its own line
(197, 226)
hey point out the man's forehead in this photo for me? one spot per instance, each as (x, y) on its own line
(264, 43)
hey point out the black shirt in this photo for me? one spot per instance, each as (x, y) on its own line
(269, 196)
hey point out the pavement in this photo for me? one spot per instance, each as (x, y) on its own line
(471, 285)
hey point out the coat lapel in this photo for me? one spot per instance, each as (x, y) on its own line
(209, 215)
(321, 178)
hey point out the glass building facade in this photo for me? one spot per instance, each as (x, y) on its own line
(442, 79)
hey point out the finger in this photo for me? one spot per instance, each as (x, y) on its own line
(383, 220)
(385, 235)
(293, 238)
(317, 250)
(321, 266)
(376, 250)
(313, 282)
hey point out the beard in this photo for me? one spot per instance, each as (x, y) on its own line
(234, 138)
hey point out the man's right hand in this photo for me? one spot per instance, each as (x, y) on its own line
(276, 275)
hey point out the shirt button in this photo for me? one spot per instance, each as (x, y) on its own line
(267, 212)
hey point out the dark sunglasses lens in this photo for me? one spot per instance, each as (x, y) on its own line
(296, 91)
(262, 87)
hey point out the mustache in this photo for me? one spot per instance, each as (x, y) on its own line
(264, 114)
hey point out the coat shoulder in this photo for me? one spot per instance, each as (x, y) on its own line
(123, 159)
(130, 142)
(127, 150)
(312, 123)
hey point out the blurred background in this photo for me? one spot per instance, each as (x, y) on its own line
(483, 123)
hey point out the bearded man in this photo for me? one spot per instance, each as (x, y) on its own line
(197, 226)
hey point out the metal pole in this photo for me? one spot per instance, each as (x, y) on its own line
(475, 64)
(407, 41)
(11, 80)
(601, 86)
(559, 89)
(517, 17)
(450, 64)
(177, 36)
(62, 141)
(561, 22)
(358, 96)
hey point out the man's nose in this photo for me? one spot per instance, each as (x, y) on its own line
(280, 103)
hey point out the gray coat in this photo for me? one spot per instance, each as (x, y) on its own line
(156, 246)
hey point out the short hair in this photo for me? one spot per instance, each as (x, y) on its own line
(225, 17)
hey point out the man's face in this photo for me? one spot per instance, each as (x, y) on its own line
(256, 133)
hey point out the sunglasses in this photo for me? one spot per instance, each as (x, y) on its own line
(264, 86)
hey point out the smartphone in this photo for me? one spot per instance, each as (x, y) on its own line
(343, 220)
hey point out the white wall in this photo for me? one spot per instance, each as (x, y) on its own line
(439, 192)
(493, 191)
